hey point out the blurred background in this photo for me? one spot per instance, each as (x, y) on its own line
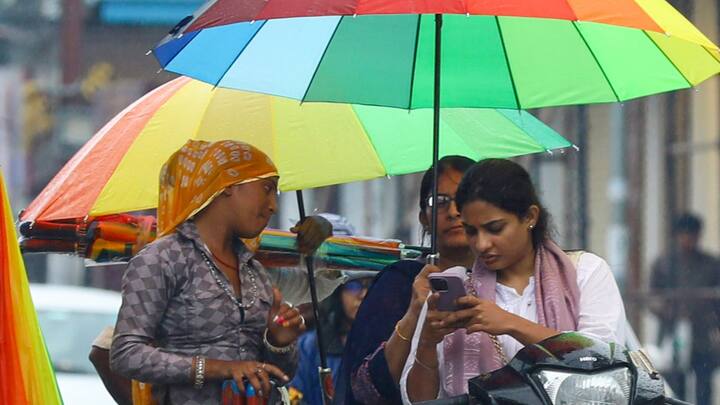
(68, 66)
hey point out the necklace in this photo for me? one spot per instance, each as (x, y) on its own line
(224, 263)
(494, 339)
(226, 288)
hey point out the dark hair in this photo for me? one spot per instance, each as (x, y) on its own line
(506, 185)
(454, 162)
(687, 223)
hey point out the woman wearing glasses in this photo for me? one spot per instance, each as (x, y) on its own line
(379, 342)
(522, 288)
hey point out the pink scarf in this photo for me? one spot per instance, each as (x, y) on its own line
(557, 298)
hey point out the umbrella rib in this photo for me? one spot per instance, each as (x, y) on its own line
(669, 59)
(412, 73)
(370, 140)
(317, 67)
(597, 62)
(507, 63)
(239, 53)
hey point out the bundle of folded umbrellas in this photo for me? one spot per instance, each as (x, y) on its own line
(116, 238)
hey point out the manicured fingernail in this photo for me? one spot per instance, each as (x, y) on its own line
(286, 378)
(285, 324)
(279, 320)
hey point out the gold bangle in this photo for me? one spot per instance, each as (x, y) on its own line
(397, 332)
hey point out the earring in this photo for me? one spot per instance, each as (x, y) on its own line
(531, 226)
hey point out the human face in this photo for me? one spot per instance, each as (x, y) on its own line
(353, 293)
(497, 237)
(451, 235)
(687, 241)
(252, 205)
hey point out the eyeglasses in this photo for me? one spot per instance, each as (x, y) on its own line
(443, 201)
(357, 286)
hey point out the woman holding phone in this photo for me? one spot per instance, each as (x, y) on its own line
(522, 288)
(379, 341)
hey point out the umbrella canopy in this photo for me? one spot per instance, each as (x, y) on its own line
(486, 61)
(26, 374)
(312, 145)
(654, 15)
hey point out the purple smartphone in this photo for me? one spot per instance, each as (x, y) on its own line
(450, 284)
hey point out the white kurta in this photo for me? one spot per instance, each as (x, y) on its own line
(602, 314)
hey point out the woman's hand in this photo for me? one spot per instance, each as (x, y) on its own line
(285, 324)
(421, 288)
(311, 233)
(257, 374)
(480, 316)
(434, 329)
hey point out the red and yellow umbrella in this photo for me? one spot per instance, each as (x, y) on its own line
(312, 145)
(26, 374)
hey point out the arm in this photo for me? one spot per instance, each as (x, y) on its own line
(482, 315)
(375, 356)
(369, 380)
(284, 327)
(118, 386)
(423, 365)
(398, 347)
(146, 289)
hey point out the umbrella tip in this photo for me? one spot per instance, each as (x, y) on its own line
(577, 148)
(148, 52)
(252, 22)
(467, 14)
(354, 15)
(158, 71)
(551, 153)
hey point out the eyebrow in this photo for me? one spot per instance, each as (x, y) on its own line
(486, 224)
(493, 222)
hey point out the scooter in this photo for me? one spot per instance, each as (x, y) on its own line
(568, 369)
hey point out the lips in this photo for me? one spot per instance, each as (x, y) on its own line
(489, 259)
(455, 228)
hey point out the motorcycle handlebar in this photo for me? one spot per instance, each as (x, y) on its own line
(463, 399)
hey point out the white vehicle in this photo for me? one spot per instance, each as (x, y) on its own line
(71, 318)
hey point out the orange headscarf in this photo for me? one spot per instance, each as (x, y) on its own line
(199, 171)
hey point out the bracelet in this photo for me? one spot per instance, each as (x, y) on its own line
(199, 372)
(275, 349)
(425, 366)
(397, 332)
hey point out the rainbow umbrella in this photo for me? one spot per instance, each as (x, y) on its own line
(26, 374)
(486, 53)
(491, 53)
(312, 145)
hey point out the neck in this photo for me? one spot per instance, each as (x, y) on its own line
(216, 234)
(518, 275)
(456, 257)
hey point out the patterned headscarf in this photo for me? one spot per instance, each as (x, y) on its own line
(199, 171)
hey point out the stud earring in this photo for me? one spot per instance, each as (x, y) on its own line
(530, 227)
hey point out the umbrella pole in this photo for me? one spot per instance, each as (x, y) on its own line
(433, 257)
(324, 373)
